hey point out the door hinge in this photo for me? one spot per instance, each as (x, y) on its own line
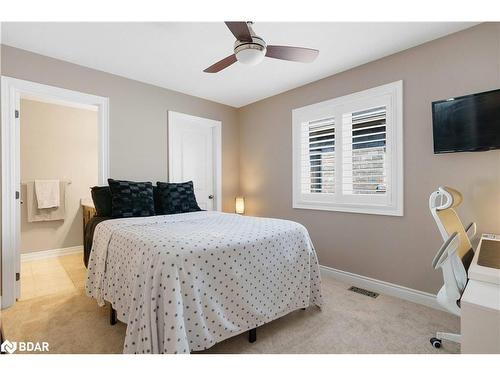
(17, 195)
(18, 276)
(16, 113)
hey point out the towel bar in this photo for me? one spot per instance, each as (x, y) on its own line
(68, 182)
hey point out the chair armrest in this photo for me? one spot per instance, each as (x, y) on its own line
(471, 231)
(448, 248)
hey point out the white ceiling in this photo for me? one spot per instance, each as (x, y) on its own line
(174, 54)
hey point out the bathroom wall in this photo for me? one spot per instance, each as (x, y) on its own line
(57, 142)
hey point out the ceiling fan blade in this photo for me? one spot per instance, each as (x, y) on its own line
(240, 30)
(305, 55)
(222, 64)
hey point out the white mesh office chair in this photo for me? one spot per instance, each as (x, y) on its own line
(454, 256)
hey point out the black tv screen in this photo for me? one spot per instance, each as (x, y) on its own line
(467, 123)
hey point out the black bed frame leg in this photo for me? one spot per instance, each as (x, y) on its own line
(252, 335)
(112, 316)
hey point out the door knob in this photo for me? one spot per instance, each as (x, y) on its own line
(210, 196)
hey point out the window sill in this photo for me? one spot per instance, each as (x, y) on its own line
(365, 209)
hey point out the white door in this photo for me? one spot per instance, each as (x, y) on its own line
(194, 155)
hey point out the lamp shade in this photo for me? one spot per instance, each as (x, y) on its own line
(240, 205)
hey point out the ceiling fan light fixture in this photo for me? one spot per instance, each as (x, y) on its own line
(250, 53)
(250, 49)
(251, 56)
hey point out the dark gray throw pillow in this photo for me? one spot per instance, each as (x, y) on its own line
(176, 198)
(131, 199)
(101, 195)
(156, 198)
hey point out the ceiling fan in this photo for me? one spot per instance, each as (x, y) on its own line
(251, 49)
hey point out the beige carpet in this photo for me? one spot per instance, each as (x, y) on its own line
(348, 323)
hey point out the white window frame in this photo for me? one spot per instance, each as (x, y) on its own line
(389, 95)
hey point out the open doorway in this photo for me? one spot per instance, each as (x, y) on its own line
(58, 164)
(55, 147)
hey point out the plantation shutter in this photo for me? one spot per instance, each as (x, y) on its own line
(318, 157)
(364, 159)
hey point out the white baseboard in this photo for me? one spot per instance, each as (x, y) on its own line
(52, 253)
(383, 287)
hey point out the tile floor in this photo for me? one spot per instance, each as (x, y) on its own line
(44, 277)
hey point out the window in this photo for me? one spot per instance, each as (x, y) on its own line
(348, 153)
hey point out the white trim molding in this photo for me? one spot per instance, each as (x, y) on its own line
(13, 90)
(383, 287)
(52, 253)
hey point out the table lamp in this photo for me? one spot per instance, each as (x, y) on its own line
(240, 205)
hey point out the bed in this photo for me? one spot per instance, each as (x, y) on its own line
(185, 282)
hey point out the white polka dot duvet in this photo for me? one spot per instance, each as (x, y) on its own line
(184, 282)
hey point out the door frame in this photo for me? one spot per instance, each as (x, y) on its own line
(216, 127)
(12, 91)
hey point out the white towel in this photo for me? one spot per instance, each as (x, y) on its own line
(47, 193)
(45, 214)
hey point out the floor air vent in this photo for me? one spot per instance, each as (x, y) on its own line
(363, 291)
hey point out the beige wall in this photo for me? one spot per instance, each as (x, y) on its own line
(57, 142)
(393, 249)
(138, 117)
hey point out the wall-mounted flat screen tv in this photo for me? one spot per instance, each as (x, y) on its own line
(467, 123)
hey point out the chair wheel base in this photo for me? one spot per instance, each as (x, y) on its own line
(435, 342)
